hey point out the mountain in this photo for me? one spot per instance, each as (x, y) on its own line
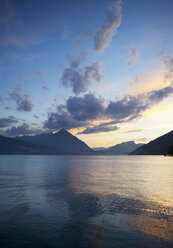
(123, 148)
(64, 141)
(14, 146)
(159, 146)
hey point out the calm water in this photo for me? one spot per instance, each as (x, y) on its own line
(86, 201)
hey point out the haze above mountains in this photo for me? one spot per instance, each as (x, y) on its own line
(63, 142)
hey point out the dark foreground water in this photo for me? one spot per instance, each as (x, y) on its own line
(86, 201)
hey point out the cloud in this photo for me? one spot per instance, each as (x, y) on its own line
(80, 81)
(81, 36)
(23, 102)
(134, 54)
(1, 98)
(6, 122)
(168, 62)
(132, 106)
(104, 35)
(61, 120)
(23, 129)
(156, 96)
(100, 129)
(36, 116)
(125, 107)
(81, 111)
(134, 131)
(85, 108)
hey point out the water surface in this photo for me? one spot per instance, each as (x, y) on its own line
(86, 201)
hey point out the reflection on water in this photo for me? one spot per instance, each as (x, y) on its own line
(86, 201)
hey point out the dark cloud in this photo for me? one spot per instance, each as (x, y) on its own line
(125, 108)
(132, 106)
(79, 81)
(134, 54)
(35, 116)
(6, 122)
(85, 108)
(23, 102)
(23, 129)
(61, 120)
(156, 96)
(104, 36)
(100, 129)
(80, 111)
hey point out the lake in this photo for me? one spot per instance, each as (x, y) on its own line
(86, 201)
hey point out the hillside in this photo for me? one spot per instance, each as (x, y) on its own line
(14, 146)
(159, 146)
(64, 141)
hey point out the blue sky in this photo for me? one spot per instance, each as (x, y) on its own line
(101, 69)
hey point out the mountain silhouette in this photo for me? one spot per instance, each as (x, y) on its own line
(65, 142)
(159, 146)
(123, 148)
(14, 146)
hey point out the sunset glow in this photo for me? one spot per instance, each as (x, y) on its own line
(101, 69)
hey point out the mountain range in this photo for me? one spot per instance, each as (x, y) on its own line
(65, 143)
(14, 146)
(121, 149)
(58, 143)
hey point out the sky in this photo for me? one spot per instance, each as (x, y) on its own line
(101, 69)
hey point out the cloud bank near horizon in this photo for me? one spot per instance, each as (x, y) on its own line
(82, 111)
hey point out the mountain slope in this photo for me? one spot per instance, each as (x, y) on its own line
(63, 140)
(14, 146)
(159, 146)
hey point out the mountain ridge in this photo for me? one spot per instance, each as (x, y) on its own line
(19, 147)
(64, 141)
(123, 148)
(158, 146)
